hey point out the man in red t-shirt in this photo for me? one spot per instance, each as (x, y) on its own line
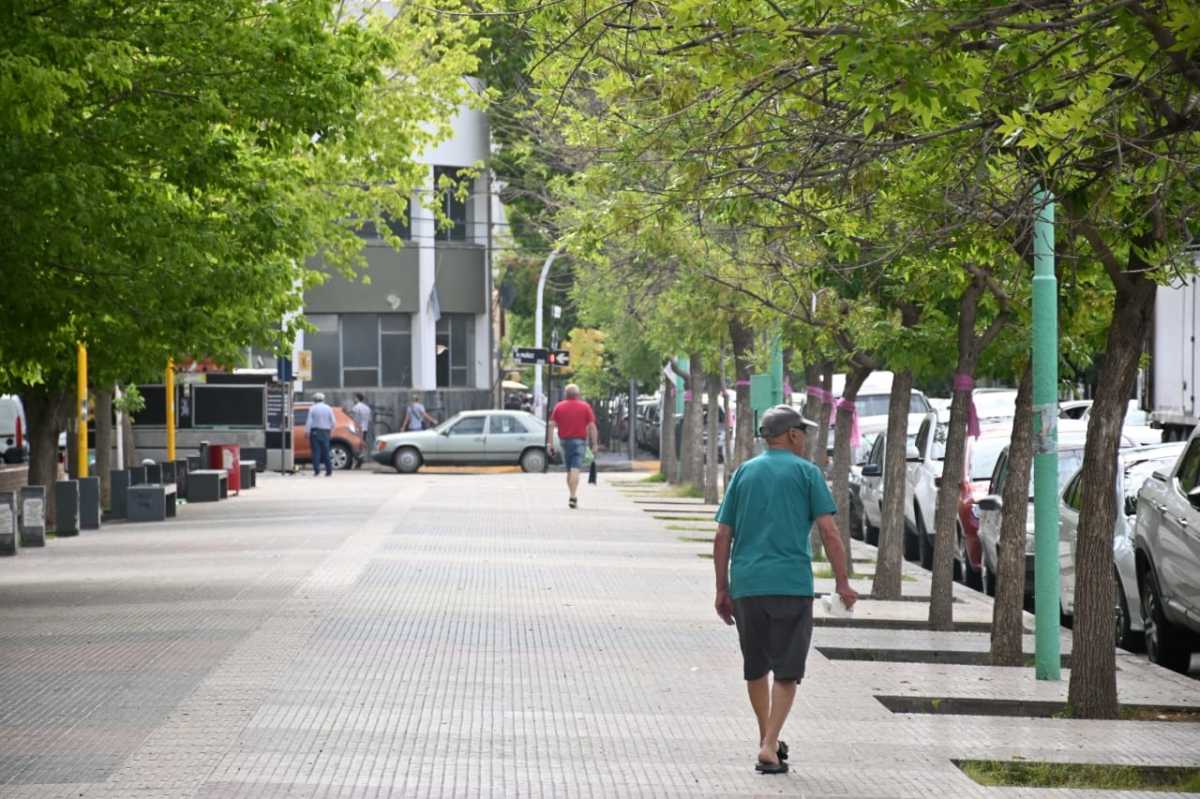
(576, 425)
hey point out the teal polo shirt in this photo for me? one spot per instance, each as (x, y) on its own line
(771, 504)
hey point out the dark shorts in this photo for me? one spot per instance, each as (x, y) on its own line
(573, 451)
(774, 632)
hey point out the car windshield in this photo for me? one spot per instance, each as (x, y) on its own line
(984, 454)
(877, 404)
(1138, 472)
(1069, 461)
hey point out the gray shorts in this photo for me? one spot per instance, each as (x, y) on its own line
(774, 633)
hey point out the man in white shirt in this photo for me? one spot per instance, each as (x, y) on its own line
(319, 427)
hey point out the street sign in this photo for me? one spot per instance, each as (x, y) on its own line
(530, 355)
(559, 358)
(304, 365)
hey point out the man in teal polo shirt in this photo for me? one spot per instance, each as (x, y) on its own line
(766, 585)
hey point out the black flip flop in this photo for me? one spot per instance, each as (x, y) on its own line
(782, 751)
(771, 768)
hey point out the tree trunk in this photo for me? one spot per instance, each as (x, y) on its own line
(742, 340)
(1009, 604)
(820, 450)
(104, 442)
(130, 450)
(712, 466)
(692, 450)
(666, 434)
(945, 519)
(46, 411)
(841, 457)
(890, 557)
(1093, 689)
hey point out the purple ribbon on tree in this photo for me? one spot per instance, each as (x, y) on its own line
(848, 405)
(967, 383)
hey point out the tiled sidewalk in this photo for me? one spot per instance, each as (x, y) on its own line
(453, 635)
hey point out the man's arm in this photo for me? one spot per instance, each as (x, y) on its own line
(593, 436)
(721, 544)
(553, 428)
(832, 540)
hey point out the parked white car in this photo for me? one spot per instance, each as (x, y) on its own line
(14, 430)
(871, 481)
(1136, 428)
(1134, 466)
(1167, 550)
(1070, 457)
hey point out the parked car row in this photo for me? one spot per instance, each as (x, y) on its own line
(1156, 537)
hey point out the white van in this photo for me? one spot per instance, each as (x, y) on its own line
(14, 442)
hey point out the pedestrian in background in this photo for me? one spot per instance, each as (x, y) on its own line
(319, 426)
(361, 414)
(415, 416)
(764, 570)
(576, 425)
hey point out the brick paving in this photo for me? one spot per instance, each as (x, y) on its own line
(459, 635)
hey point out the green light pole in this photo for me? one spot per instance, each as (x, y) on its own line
(1047, 661)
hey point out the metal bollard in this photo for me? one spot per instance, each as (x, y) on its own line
(66, 508)
(89, 503)
(8, 523)
(32, 523)
(119, 493)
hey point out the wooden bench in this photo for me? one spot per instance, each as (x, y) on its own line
(207, 485)
(150, 502)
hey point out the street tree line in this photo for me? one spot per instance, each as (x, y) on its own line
(863, 178)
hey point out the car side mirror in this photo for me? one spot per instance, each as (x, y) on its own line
(872, 470)
(911, 453)
(991, 503)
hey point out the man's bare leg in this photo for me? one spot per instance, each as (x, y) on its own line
(783, 692)
(573, 481)
(760, 700)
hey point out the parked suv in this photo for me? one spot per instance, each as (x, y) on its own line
(1167, 551)
(346, 449)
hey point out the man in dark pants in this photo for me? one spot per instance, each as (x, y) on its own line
(764, 570)
(319, 427)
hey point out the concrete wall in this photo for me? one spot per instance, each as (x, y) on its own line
(393, 274)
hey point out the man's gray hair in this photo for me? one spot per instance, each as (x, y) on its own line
(318, 397)
(572, 391)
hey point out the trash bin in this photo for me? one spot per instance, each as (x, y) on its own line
(229, 458)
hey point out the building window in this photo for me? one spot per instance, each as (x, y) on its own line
(401, 228)
(361, 350)
(454, 208)
(455, 350)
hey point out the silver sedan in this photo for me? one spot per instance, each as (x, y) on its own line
(471, 438)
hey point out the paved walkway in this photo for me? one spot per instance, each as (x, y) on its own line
(376, 635)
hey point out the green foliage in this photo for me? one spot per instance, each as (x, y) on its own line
(1093, 776)
(167, 169)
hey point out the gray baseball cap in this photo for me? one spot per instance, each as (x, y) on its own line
(318, 397)
(778, 420)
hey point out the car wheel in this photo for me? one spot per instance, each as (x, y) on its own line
(1126, 639)
(871, 535)
(406, 460)
(912, 548)
(533, 460)
(340, 456)
(988, 579)
(1162, 639)
(970, 577)
(924, 542)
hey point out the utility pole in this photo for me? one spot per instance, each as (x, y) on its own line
(777, 370)
(170, 392)
(81, 411)
(539, 399)
(1047, 660)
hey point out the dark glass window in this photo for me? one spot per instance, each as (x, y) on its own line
(454, 208)
(503, 425)
(471, 426)
(401, 228)
(326, 350)
(395, 346)
(455, 350)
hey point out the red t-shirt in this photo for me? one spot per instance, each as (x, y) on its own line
(572, 417)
